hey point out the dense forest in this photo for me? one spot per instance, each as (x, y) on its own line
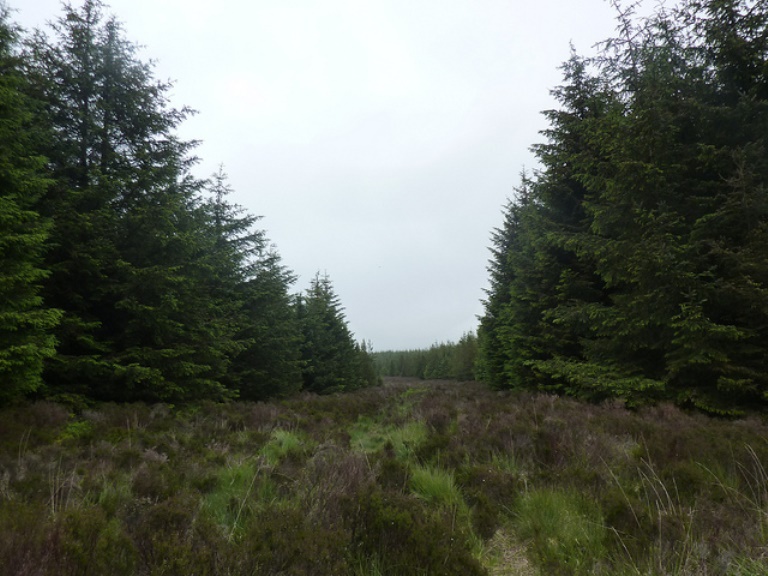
(123, 276)
(443, 361)
(634, 263)
(631, 265)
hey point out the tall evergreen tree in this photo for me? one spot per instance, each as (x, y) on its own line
(26, 324)
(130, 229)
(333, 362)
(252, 289)
(660, 291)
(537, 274)
(270, 363)
(494, 353)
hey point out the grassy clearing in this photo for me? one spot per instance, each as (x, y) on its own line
(410, 478)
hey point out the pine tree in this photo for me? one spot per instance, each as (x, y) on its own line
(269, 364)
(663, 218)
(495, 354)
(537, 274)
(25, 321)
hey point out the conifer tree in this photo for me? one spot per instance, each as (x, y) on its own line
(536, 271)
(252, 287)
(269, 365)
(464, 358)
(494, 353)
(632, 269)
(333, 362)
(25, 321)
(130, 229)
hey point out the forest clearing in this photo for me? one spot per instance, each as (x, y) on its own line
(172, 404)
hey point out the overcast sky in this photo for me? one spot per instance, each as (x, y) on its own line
(379, 139)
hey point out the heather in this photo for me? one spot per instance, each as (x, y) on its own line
(413, 477)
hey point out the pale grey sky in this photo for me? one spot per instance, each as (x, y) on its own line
(379, 139)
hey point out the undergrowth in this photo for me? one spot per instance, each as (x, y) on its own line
(411, 478)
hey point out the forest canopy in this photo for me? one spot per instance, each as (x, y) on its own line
(633, 264)
(123, 276)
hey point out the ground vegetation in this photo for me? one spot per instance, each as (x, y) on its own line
(410, 478)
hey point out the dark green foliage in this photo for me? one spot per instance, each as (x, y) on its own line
(24, 542)
(407, 538)
(284, 541)
(250, 285)
(632, 265)
(332, 360)
(170, 539)
(464, 358)
(270, 363)
(487, 490)
(166, 290)
(127, 265)
(445, 361)
(87, 543)
(401, 363)
(26, 323)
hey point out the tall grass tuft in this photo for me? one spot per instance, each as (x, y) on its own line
(564, 529)
(435, 486)
(369, 435)
(282, 445)
(232, 501)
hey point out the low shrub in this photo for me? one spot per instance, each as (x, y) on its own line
(403, 537)
(409, 478)
(282, 541)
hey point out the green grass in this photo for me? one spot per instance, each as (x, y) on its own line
(436, 486)
(565, 530)
(284, 444)
(370, 436)
(238, 491)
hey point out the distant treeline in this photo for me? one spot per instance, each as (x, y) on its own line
(123, 277)
(445, 361)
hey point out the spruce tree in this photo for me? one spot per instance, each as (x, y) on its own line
(130, 232)
(635, 267)
(537, 274)
(495, 354)
(269, 364)
(26, 323)
(332, 361)
(251, 287)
